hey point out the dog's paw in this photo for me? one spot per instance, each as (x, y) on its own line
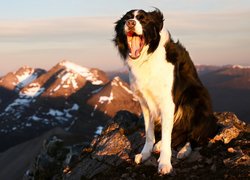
(157, 147)
(185, 151)
(139, 158)
(165, 166)
(165, 169)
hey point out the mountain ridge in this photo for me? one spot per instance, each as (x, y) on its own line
(47, 99)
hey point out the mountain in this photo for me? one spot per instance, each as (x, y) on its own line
(35, 101)
(13, 82)
(204, 69)
(234, 77)
(114, 96)
(229, 87)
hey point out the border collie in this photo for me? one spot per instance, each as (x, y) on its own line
(164, 79)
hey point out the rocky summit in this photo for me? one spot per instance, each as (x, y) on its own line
(110, 155)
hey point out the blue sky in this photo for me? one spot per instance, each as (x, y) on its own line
(42, 33)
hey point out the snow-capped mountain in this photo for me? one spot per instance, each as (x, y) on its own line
(203, 69)
(20, 78)
(13, 82)
(230, 76)
(229, 87)
(47, 98)
(113, 97)
(65, 94)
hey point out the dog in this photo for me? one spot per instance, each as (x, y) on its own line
(164, 80)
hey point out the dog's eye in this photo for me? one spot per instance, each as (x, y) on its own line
(140, 17)
(128, 16)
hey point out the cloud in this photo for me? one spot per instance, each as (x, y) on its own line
(58, 33)
(55, 27)
(224, 22)
(215, 37)
(89, 28)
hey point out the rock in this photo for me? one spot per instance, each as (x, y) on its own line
(213, 168)
(49, 162)
(227, 134)
(87, 168)
(231, 150)
(112, 148)
(209, 161)
(195, 167)
(125, 175)
(195, 157)
(240, 158)
(123, 137)
(231, 127)
(111, 154)
(152, 161)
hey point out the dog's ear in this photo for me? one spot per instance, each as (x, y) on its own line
(120, 38)
(158, 17)
(154, 27)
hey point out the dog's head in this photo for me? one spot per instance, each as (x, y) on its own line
(137, 29)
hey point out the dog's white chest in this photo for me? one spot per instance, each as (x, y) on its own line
(154, 77)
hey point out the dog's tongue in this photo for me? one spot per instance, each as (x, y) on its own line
(135, 46)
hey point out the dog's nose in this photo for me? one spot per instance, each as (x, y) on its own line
(131, 23)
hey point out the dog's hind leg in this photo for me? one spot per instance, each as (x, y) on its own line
(185, 151)
(157, 147)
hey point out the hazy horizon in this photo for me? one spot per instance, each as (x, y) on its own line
(41, 34)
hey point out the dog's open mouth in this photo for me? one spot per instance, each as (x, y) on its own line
(135, 43)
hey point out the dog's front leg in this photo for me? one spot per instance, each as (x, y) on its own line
(150, 136)
(167, 113)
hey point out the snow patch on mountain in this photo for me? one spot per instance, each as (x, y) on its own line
(53, 117)
(93, 112)
(32, 91)
(85, 72)
(67, 78)
(117, 82)
(28, 80)
(75, 107)
(54, 112)
(63, 115)
(240, 67)
(25, 76)
(23, 101)
(107, 99)
(99, 130)
(35, 118)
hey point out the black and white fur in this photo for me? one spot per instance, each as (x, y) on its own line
(165, 81)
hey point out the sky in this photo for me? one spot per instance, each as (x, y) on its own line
(42, 33)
